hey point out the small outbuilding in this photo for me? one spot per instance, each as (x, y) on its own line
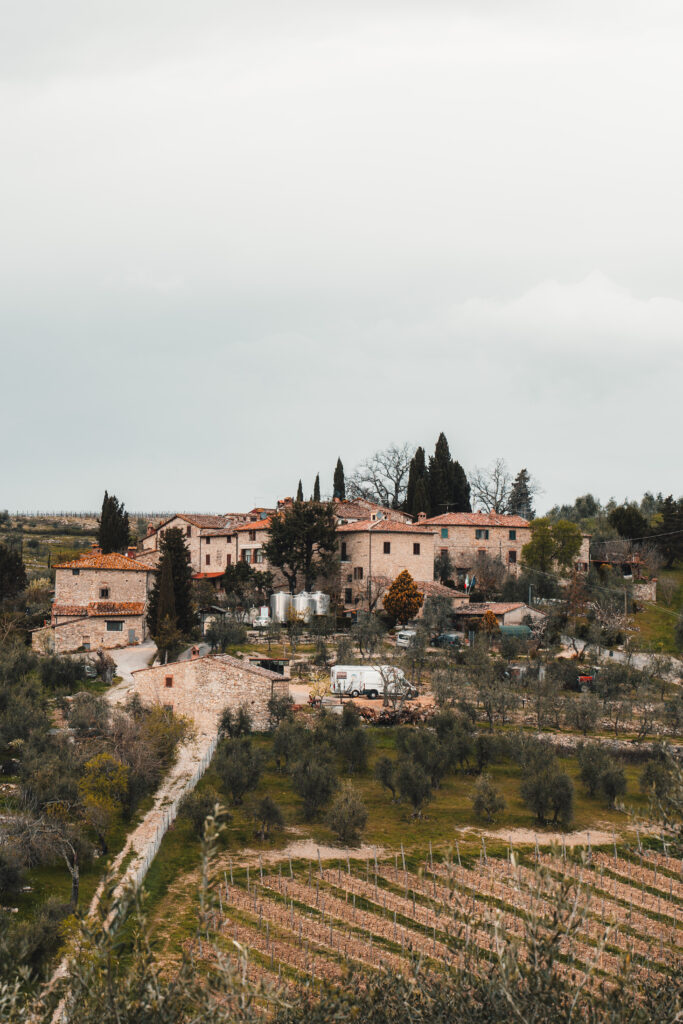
(203, 687)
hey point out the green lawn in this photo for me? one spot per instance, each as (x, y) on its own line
(655, 624)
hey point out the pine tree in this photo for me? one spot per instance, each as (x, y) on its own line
(316, 488)
(520, 500)
(416, 475)
(339, 484)
(114, 529)
(12, 573)
(299, 492)
(449, 490)
(173, 544)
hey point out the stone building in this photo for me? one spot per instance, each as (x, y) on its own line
(202, 687)
(100, 601)
(372, 554)
(467, 535)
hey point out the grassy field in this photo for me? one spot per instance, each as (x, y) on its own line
(301, 918)
(655, 624)
(173, 877)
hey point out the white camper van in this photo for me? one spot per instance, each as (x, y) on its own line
(369, 681)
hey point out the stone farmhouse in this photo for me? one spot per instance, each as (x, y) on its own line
(100, 601)
(374, 551)
(467, 535)
(203, 686)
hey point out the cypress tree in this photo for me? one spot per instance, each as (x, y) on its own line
(173, 545)
(166, 601)
(449, 490)
(299, 492)
(316, 488)
(339, 484)
(520, 500)
(417, 473)
(114, 529)
(421, 498)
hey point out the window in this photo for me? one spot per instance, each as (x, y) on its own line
(444, 533)
(75, 572)
(246, 555)
(252, 535)
(344, 556)
(481, 534)
(512, 557)
(228, 559)
(443, 552)
(348, 595)
(358, 572)
(169, 680)
(188, 531)
(259, 554)
(104, 592)
(86, 643)
(512, 534)
(114, 627)
(416, 549)
(387, 547)
(208, 559)
(207, 540)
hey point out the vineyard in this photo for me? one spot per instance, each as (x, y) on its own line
(302, 920)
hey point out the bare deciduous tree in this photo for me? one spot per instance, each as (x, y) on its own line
(490, 486)
(383, 477)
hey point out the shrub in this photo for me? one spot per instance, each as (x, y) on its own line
(413, 784)
(238, 766)
(385, 773)
(198, 805)
(279, 709)
(234, 723)
(487, 801)
(314, 780)
(348, 815)
(269, 816)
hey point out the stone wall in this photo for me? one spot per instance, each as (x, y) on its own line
(203, 687)
(81, 586)
(645, 591)
(90, 632)
(365, 550)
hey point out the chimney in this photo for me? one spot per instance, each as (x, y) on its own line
(421, 516)
(150, 529)
(132, 551)
(95, 549)
(194, 653)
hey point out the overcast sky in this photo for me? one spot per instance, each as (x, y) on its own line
(238, 240)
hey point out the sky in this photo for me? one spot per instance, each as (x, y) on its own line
(240, 240)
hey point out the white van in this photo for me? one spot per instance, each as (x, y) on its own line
(405, 637)
(369, 681)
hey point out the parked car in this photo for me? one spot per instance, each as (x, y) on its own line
(405, 637)
(261, 621)
(447, 640)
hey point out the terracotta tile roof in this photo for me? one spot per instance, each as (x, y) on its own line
(70, 609)
(206, 575)
(113, 561)
(359, 508)
(476, 519)
(258, 524)
(97, 608)
(432, 588)
(497, 607)
(384, 526)
(116, 608)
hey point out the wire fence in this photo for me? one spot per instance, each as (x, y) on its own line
(169, 815)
